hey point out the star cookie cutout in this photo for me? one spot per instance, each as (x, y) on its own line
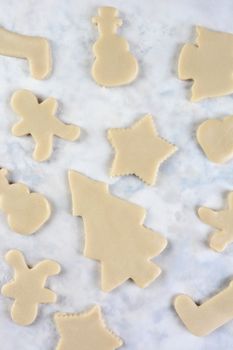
(139, 150)
(85, 331)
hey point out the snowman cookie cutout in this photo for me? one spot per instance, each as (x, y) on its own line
(114, 65)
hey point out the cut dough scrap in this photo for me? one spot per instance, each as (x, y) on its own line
(115, 234)
(26, 212)
(222, 221)
(209, 63)
(212, 314)
(35, 49)
(114, 65)
(27, 287)
(216, 139)
(39, 120)
(139, 150)
(85, 331)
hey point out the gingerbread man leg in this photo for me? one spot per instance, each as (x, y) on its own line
(67, 132)
(44, 147)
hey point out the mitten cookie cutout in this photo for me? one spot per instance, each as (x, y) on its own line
(27, 288)
(26, 212)
(39, 120)
(223, 221)
(85, 331)
(35, 49)
(203, 319)
(216, 139)
(139, 150)
(115, 234)
(209, 63)
(114, 65)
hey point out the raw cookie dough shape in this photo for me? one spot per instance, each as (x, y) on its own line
(35, 49)
(39, 120)
(139, 150)
(216, 139)
(26, 212)
(212, 314)
(114, 65)
(85, 331)
(209, 63)
(27, 287)
(223, 221)
(115, 234)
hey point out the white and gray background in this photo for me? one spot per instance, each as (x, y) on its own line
(156, 30)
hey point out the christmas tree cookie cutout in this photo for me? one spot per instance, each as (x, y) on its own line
(39, 120)
(114, 65)
(203, 319)
(35, 49)
(215, 137)
(85, 331)
(26, 212)
(223, 221)
(115, 234)
(209, 63)
(27, 287)
(139, 150)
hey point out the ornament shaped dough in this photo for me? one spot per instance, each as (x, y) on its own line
(216, 139)
(85, 331)
(115, 234)
(26, 212)
(114, 65)
(139, 150)
(209, 63)
(223, 221)
(35, 49)
(212, 314)
(27, 287)
(39, 120)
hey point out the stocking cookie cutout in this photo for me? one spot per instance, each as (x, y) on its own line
(83, 331)
(209, 63)
(26, 212)
(35, 49)
(223, 221)
(28, 287)
(115, 234)
(203, 319)
(215, 137)
(139, 150)
(114, 65)
(39, 120)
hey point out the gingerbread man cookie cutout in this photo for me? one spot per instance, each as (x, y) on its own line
(84, 331)
(115, 234)
(223, 221)
(203, 319)
(39, 120)
(114, 65)
(27, 288)
(209, 63)
(26, 212)
(35, 49)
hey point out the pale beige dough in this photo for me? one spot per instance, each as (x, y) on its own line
(26, 212)
(212, 314)
(39, 120)
(27, 287)
(114, 65)
(115, 234)
(85, 331)
(223, 221)
(216, 139)
(209, 63)
(139, 150)
(35, 49)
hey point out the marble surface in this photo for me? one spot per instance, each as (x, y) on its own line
(155, 30)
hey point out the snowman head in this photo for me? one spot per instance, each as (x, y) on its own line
(107, 21)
